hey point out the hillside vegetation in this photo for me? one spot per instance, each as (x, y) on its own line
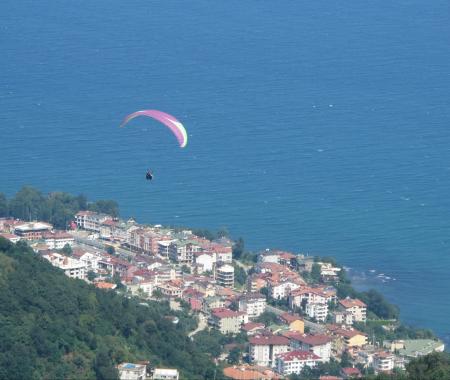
(55, 327)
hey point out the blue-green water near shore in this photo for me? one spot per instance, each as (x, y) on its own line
(320, 127)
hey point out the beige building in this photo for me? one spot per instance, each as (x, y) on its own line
(356, 307)
(227, 321)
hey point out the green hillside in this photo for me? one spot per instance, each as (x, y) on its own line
(53, 327)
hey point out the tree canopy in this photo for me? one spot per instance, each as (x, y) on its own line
(57, 208)
(52, 326)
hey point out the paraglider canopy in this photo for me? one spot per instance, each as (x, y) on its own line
(168, 120)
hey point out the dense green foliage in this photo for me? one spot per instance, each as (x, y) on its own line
(433, 366)
(55, 327)
(56, 208)
(240, 275)
(238, 248)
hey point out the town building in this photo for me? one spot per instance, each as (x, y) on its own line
(294, 362)
(265, 348)
(90, 220)
(72, 268)
(32, 230)
(356, 307)
(165, 374)
(318, 311)
(281, 289)
(227, 321)
(383, 362)
(319, 344)
(11, 237)
(58, 239)
(182, 251)
(254, 304)
(225, 276)
(294, 322)
(131, 371)
(253, 328)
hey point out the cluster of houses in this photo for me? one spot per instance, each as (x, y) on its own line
(312, 325)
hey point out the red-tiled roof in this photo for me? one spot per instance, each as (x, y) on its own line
(252, 326)
(259, 340)
(226, 313)
(289, 318)
(349, 302)
(348, 333)
(351, 371)
(312, 340)
(299, 355)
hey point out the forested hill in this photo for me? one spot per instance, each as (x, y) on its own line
(53, 327)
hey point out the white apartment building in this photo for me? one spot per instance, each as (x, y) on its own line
(254, 304)
(265, 348)
(90, 220)
(294, 362)
(383, 362)
(319, 311)
(72, 268)
(58, 239)
(282, 289)
(165, 374)
(225, 276)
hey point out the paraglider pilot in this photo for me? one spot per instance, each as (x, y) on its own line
(149, 175)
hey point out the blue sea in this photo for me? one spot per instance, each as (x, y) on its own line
(317, 127)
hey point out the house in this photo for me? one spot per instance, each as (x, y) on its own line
(265, 348)
(72, 268)
(206, 260)
(254, 304)
(11, 237)
(351, 337)
(294, 361)
(252, 328)
(356, 307)
(170, 289)
(105, 285)
(165, 374)
(383, 362)
(58, 239)
(268, 256)
(227, 321)
(351, 373)
(343, 318)
(225, 276)
(223, 254)
(32, 230)
(281, 289)
(294, 322)
(131, 371)
(320, 344)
